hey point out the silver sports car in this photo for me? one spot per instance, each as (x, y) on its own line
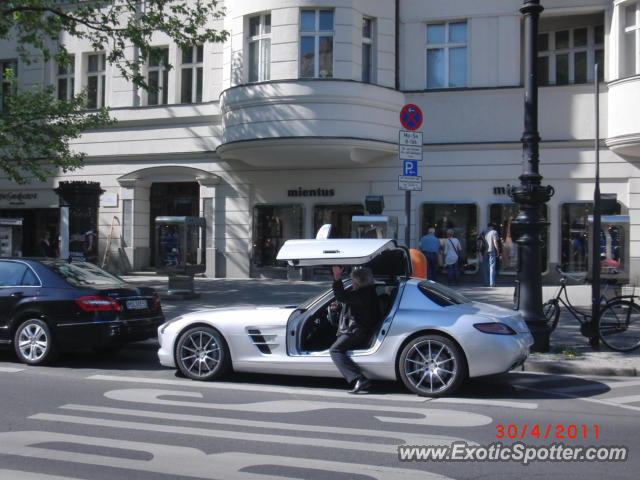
(431, 337)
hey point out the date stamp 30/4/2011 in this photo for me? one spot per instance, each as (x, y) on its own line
(547, 431)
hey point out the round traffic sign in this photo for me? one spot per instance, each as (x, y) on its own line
(411, 117)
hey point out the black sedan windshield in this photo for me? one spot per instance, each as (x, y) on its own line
(82, 274)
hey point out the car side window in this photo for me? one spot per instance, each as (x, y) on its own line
(29, 278)
(11, 274)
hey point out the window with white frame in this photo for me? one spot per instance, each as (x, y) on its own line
(316, 43)
(631, 21)
(568, 56)
(259, 48)
(7, 89)
(367, 50)
(447, 55)
(66, 80)
(96, 80)
(158, 76)
(191, 74)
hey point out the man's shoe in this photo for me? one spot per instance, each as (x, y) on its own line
(361, 386)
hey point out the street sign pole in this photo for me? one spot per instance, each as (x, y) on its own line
(407, 213)
(410, 152)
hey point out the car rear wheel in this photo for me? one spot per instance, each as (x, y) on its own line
(432, 366)
(202, 354)
(34, 343)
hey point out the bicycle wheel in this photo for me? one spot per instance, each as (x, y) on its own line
(619, 325)
(551, 311)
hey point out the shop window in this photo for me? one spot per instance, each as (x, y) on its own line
(339, 216)
(272, 226)
(462, 218)
(575, 235)
(503, 215)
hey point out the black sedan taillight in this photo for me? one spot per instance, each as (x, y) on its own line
(92, 303)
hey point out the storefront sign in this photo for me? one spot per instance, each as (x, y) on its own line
(501, 190)
(314, 192)
(28, 199)
(109, 199)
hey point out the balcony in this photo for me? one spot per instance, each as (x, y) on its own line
(309, 123)
(623, 121)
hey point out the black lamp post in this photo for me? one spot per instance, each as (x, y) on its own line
(530, 194)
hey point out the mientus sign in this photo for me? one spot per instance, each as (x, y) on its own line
(311, 192)
(17, 198)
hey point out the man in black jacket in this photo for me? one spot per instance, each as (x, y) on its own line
(358, 321)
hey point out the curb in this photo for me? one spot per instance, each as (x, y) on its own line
(569, 367)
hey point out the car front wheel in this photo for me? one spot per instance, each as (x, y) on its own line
(34, 343)
(432, 366)
(202, 354)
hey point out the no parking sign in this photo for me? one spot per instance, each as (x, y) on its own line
(411, 117)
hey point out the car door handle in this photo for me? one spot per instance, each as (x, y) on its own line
(17, 295)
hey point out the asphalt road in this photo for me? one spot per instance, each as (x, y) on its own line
(92, 417)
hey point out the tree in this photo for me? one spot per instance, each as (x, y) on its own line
(36, 127)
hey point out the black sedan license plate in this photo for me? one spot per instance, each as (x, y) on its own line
(136, 304)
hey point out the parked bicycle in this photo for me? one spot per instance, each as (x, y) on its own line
(618, 323)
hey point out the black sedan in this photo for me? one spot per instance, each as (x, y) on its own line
(48, 306)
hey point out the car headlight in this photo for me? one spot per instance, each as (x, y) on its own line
(165, 325)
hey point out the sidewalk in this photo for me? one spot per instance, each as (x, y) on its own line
(570, 352)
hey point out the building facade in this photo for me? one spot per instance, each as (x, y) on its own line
(295, 119)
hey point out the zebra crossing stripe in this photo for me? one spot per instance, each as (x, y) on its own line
(10, 370)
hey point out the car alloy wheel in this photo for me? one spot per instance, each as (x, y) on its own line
(33, 342)
(432, 366)
(202, 354)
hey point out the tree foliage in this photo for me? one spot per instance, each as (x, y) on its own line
(35, 127)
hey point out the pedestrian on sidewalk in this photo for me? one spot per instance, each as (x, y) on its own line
(490, 244)
(452, 254)
(430, 246)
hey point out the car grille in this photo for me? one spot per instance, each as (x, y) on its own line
(264, 343)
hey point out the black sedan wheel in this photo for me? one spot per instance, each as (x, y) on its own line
(202, 354)
(432, 366)
(34, 343)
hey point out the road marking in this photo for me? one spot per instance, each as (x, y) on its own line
(486, 402)
(628, 399)
(177, 461)
(362, 446)
(401, 438)
(11, 369)
(426, 415)
(19, 475)
(260, 388)
(342, 394)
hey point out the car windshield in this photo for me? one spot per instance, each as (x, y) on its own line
(82, 274)
(441, 295)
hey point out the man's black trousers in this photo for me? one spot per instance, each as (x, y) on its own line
(348, 368)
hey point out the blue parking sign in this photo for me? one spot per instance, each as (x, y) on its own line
(410, 168)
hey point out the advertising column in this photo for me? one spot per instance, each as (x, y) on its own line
(79, 228)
